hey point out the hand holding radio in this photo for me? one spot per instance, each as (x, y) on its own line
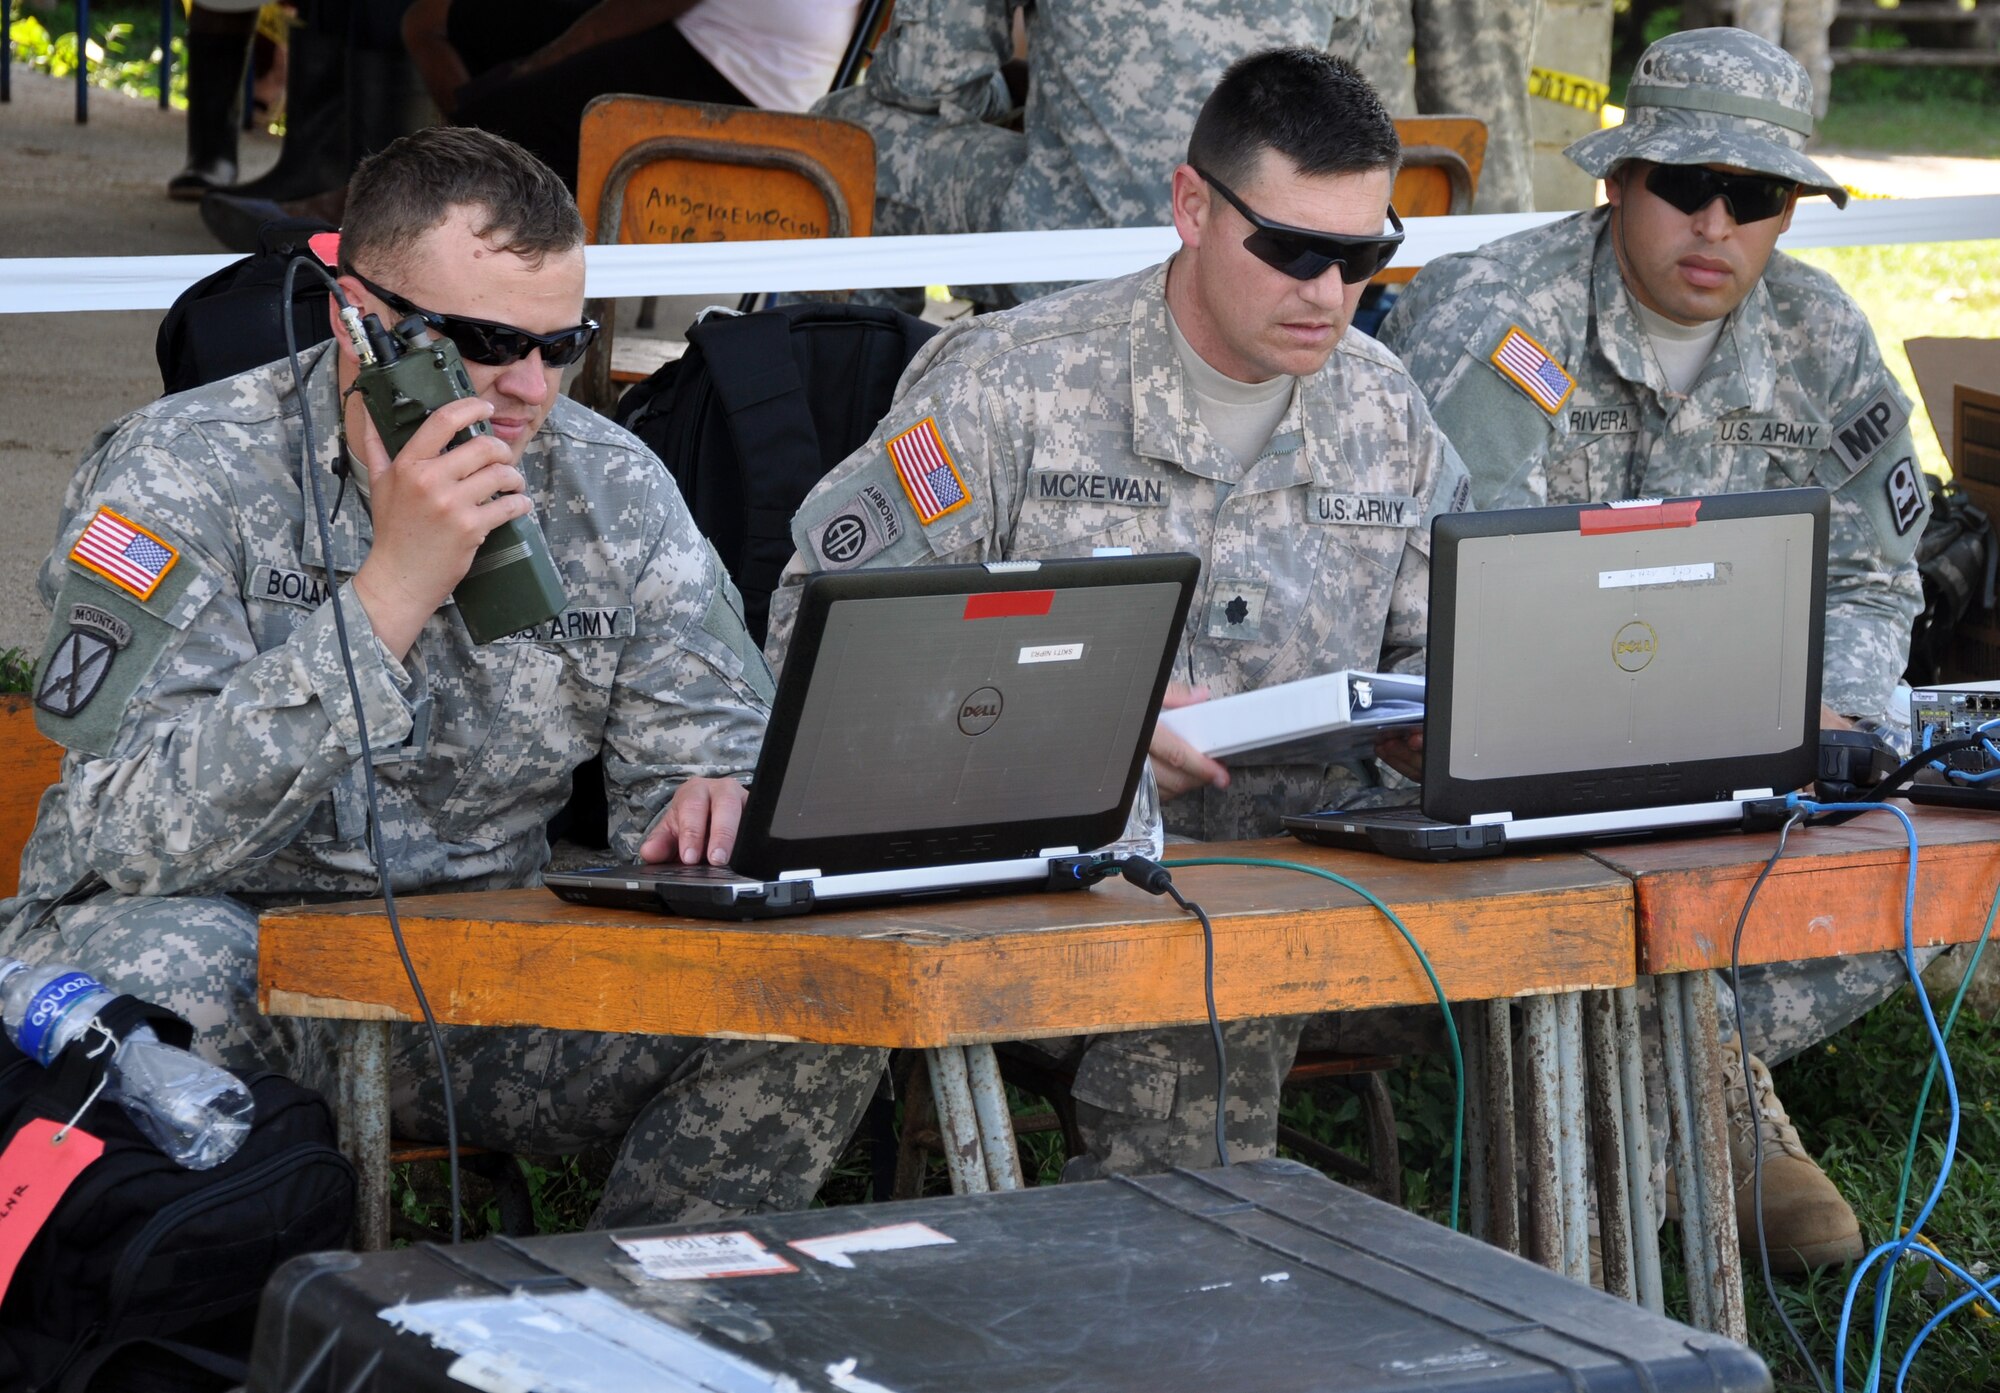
(450, 514)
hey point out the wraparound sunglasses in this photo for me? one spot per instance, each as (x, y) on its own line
(1304, 254)
(483, 341)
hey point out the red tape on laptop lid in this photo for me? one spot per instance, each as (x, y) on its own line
(1009, 604)
(1638, 515)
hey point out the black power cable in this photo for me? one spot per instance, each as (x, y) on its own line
(1156, 879)
(361, 723)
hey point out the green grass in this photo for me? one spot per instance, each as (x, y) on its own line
(17, 670)
(1941, 290)
(1949, 119)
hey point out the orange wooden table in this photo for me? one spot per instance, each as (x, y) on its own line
(943, 975)
(1836, 891)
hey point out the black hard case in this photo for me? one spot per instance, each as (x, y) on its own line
(1265, 1277)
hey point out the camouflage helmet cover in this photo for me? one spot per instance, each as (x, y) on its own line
(1715, 96)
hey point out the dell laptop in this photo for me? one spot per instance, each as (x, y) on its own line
(1611, 669)
(940, 729)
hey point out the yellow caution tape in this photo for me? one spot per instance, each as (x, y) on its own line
(1568, 89)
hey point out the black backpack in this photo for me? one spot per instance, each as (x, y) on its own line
(228, 322)
(146, 1277)
(1958, 558)
(758, 409)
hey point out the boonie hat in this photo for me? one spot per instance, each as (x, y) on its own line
(1715, 96)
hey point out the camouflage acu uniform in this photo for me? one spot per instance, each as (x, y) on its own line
(1801, 26)
(1115, 90)
(1795, 392)
(1070, 428)
(213, 770)
(1472, 59)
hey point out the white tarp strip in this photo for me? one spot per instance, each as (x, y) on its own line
(31, 285)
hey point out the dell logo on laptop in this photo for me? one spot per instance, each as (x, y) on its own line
(979, 710)
(1633, 646)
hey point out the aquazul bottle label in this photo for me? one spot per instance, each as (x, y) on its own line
(46, 1010)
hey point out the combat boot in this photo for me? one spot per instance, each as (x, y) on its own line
(1807, 1222)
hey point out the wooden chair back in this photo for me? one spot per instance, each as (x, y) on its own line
(652, 170)
(1442, 157)
(29, 763)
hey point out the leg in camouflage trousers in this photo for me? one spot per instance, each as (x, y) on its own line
(711, 1127)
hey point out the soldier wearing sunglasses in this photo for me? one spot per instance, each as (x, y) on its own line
(214, 758)
(1660, 345)
(1215, 404)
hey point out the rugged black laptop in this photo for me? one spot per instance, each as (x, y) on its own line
(1611, 669)
(938, 729)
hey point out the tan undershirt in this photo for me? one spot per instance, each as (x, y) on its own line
(1680, 348)
(1240, 415)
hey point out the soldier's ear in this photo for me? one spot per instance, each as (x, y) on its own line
(1191, 203)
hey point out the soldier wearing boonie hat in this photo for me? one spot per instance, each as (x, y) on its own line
(1660, 345)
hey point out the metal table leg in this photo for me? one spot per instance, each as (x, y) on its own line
(1502, 1165)
(363, 1119)
(1545, 1191)
(958, 1120)
(1696, 1248)
(1471, 1022)
(1711, 1131)
(1571, 1138)
(1607, 1143)
(1638, 1153)
(996, 1120)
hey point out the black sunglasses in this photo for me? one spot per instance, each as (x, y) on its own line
(1304, 254)
(483, 341)
(1691, 188)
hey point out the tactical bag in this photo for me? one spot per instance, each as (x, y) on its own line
(1958, 558)
(758, 409)
(228, 321)
(146, 1277)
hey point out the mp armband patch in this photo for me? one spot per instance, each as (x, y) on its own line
(1526, 364)
(925, 469)
(1880, 419)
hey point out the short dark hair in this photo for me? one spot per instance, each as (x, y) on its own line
(1311, 107)
(411, 185)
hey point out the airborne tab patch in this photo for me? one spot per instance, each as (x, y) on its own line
(124, 553)
(864, 528)
(925, 469)
(1528, 366)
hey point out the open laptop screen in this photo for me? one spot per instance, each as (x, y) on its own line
(1591, 658)
(935, 715)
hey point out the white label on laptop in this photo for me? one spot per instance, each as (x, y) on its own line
(1052, 653)
(1656, 575)
(835, 1248)
(1111, 551)
(695, 1255)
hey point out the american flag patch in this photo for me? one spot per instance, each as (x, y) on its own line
(928, 476)
(124, 553)
(1528, 366)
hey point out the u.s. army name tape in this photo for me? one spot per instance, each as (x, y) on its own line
(41, 285)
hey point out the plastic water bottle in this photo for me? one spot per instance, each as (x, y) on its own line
(194, 1112)
(1145, 831)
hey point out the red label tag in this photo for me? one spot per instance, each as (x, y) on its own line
(1009, 604)
(1645, 517)
(35, 1170)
